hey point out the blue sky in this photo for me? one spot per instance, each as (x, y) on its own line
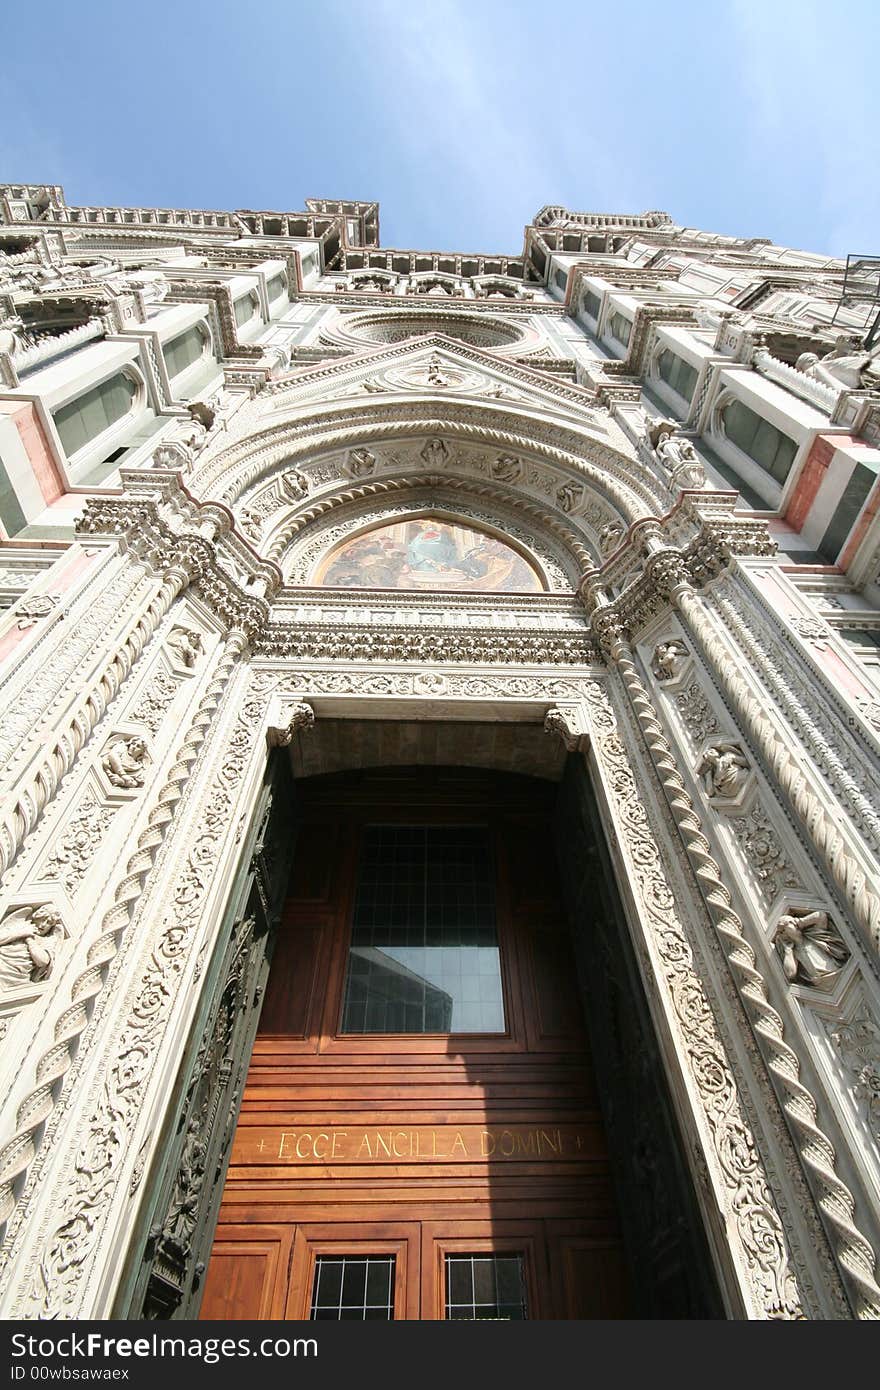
(463, 117)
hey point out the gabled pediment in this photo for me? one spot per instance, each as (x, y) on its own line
(432, 365)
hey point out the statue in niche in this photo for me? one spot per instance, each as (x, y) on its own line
(125, 762)
(724, 769)
(810, 947)
(847, 366)
(668, 659)
(27, 946)
(677, 455)
(187, 644)
(184, 1210)
(610, 537)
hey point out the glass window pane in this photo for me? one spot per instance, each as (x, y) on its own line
(485, 1286)
(764, 443)
(82, 420)
(680, 375)
(620, 328)
(183, 351)
(424, 954)
(353, 1288)
(244, 309)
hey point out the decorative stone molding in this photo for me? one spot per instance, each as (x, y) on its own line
(858, 1044)
(293, 719)
(29, 611)
(58, 1286)
(48, 1070)
(854, 1252)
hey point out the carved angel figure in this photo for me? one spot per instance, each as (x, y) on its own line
(295, 484)
(610, 537)
(125, 762)
(26, 947)
(668, 659)
(811, 949)
(187, 644)
(724, 769)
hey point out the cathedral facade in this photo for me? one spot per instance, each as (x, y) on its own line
(439, 715)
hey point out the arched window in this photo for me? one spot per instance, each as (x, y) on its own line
(82, 420)
(276, 287)
(592, 304)
(184, 350)
(678, 374)
(767, 446)
(619, 327)
(245, 308)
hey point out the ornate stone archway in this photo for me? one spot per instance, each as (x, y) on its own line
(199, 648)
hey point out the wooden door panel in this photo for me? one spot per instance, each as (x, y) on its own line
(407, 1143)
(355, 1238)
(589, 1277)
(247, 1275)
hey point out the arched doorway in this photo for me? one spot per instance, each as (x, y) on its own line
(422, 1133)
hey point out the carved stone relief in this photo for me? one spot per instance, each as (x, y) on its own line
(858, 1044)
(766, 858)
(186, 644)
(74, 850)
(29, 938)
(669, 659)
(125, 762)
(811, 949)
(726, 772)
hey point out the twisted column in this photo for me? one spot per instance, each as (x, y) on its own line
(796, 785)
(17, 1155)
(854, 1252)
(862, 806)
(20, 818)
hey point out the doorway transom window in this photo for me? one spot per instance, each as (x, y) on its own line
(424, 954)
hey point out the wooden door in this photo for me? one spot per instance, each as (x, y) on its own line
(453, 1156)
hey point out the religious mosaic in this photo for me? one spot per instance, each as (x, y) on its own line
(428, 553)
